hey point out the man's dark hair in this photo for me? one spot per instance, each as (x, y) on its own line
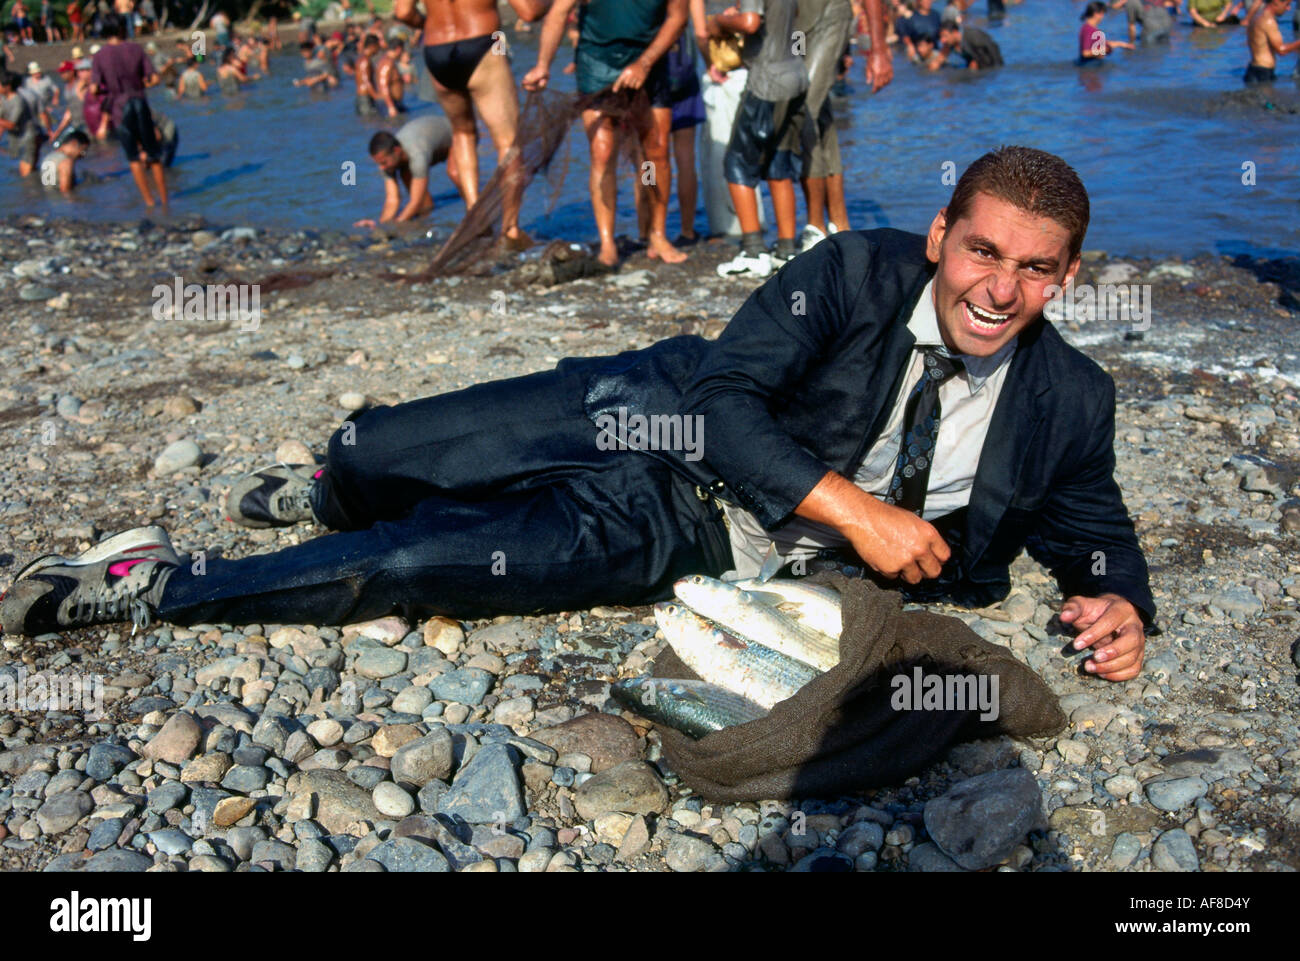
(112, 26)
(11, 80)
(77, 137)
(382, 142)
(307, 45)
(370, 41)
(1093, 8)
(1035, 181)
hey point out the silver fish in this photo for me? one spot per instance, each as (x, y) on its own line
(721, 657)
(811, 605)
(695, 708)
(750, 617)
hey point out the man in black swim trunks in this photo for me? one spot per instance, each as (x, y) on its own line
(468, 57)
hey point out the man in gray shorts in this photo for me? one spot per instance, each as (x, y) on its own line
(825, 26)
(408, 155)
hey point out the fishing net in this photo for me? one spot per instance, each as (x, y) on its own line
(544, 124)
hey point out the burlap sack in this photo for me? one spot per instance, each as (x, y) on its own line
(840, 733)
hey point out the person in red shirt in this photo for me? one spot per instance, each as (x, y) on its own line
(1093, 45)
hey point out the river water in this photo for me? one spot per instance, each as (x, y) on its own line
(1161, 137)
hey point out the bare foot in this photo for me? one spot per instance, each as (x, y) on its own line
(660, 249)
(608, 253)
(515, 242)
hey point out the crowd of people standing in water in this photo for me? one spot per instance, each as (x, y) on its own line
(1158, 20)
(662, 52)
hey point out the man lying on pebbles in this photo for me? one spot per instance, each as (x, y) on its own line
(888, 400)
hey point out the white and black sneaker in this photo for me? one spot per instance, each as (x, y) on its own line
(278, 496)
(747, 265)
(54, 592)
(151, 541)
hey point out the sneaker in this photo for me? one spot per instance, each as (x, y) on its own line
(782, 257)
(278, 496)
(747, 265)
(126, 585)
(811, 237)
(151, 541)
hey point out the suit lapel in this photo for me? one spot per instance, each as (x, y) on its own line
(891, 362)
(1016, 418)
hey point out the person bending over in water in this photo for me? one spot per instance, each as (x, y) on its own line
(59, 169)
(1157, 23)
(1265, 40)
(469, 61)
(1093, 45)
(975, 46)
(417, 146)
(622, 45)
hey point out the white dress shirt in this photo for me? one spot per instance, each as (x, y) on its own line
(967, 401)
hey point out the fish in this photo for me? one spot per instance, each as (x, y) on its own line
(695, 708)
(811, 605)
(721, 657)
(750, 617)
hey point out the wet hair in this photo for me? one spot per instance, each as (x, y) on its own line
(382, 142)
(926, 38)
(1034, 181)
(1093, 8)
(112, 26)
(370, 41)
(77, 137)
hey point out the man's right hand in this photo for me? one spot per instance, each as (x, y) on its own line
(897, 543)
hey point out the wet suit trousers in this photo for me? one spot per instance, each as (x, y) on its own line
(491, 500)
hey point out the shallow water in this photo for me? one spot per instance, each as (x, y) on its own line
(1159, 137)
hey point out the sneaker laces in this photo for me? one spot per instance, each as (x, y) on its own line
(292, 498)
(122, 601)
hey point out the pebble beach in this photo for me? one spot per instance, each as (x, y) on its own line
(495, 745)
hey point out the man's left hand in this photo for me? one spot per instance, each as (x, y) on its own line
(1114, 628)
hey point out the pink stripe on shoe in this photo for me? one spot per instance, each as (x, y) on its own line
(123, 568)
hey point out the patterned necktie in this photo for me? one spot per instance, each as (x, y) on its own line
(920, 434)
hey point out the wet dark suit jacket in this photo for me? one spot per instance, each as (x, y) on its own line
(787, 395)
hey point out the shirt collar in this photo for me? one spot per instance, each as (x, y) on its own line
(924, 326)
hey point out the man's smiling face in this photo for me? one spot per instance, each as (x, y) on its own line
(995, 267)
